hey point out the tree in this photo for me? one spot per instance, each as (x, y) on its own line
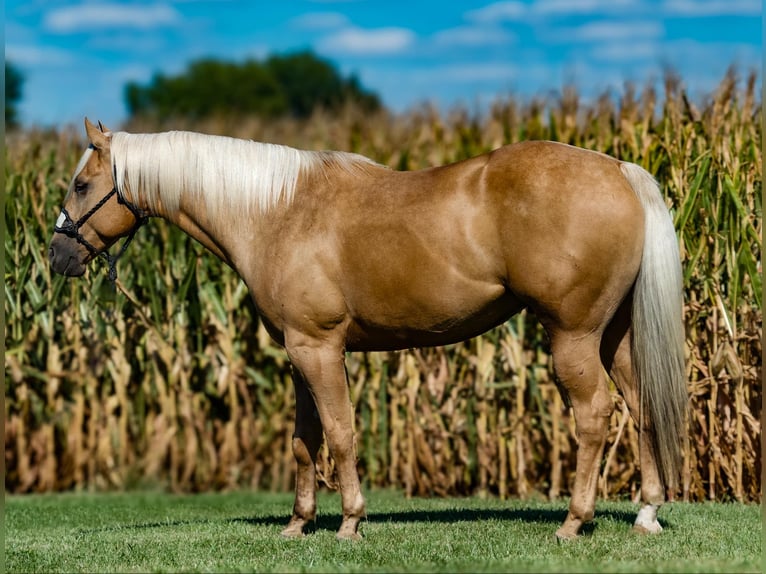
(293, 84)
(13, 92)
(309, 82)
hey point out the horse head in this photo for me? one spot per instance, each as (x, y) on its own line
(94, 215)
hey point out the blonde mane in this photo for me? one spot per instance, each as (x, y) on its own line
(225, 173)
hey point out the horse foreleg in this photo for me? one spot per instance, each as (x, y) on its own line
(322, 367)
(306, 443)
(615, 354)
(577, 364)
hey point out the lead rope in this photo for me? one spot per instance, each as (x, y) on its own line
(141, 218)
(143, 316)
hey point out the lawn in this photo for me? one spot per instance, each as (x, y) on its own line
(239, 532)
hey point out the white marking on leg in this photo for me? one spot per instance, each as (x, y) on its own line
(647, 519)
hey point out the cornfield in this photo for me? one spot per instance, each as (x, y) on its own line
(167, 379)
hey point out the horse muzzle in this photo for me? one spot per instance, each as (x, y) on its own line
(67, 258)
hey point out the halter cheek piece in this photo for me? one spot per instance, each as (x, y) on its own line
(72, 229)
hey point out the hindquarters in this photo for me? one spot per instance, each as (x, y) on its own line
(574, 235)
(571, 230)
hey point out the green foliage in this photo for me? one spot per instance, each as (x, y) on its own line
(239, 532)
(293, 84)
(14, 82)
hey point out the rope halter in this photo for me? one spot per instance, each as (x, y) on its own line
(71, 229)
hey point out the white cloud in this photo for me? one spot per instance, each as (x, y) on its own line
(376, 41)
(699, 8)
(473, 36)
(699, 55)
(626, 52)
(37, 55)
(319, 20)
(567, 7)
(91, 17)
(498, 11)
(623, 31)
(512, 10)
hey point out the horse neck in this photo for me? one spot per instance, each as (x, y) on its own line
(240, 233)
(193, 219)
(220, 190)
(207, 185)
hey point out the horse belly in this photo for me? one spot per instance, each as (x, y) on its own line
(407, 318)
(430, 274)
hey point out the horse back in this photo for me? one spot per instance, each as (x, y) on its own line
(439, 255)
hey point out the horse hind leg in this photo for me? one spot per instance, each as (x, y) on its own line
(307, 441)
(616, 357)
(578, 367)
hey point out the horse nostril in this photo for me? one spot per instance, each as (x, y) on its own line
(51, 253)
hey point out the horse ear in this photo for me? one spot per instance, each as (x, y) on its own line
(105, 130)
(96, 136)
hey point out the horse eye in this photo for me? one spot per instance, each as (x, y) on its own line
(80, 187)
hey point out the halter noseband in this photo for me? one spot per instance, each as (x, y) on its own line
(71, 229)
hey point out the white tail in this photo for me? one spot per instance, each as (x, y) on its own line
(658, 331)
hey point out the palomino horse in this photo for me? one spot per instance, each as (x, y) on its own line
(342, 254)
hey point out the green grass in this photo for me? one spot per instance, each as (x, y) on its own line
(239, 532)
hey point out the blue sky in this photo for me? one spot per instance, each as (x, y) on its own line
(77, 55)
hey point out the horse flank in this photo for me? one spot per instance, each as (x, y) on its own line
(225, 173)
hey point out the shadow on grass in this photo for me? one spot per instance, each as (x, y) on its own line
(332, 522)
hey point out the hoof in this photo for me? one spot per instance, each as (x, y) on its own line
(353, 536)
(294, 529)
(565, 535)
(570, 529)
(349, 530)
(647, 528)
(646, 521)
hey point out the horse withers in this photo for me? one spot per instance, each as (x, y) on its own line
(342, 254)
